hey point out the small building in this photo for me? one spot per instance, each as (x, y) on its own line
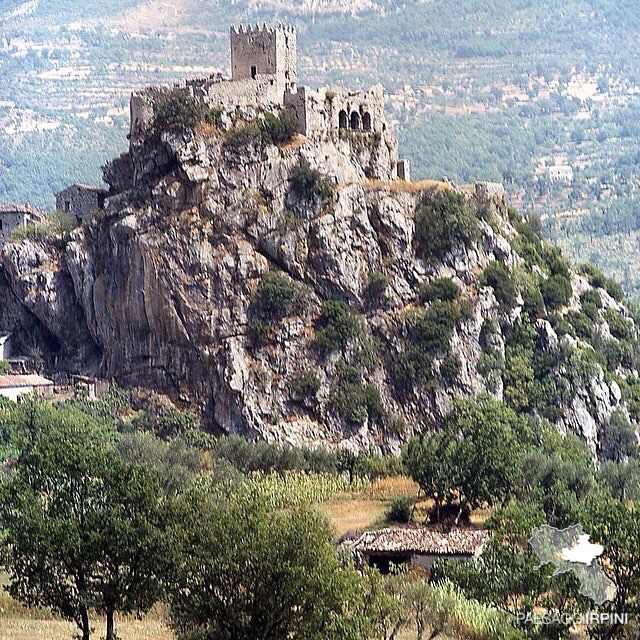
(562, 174)
(81, 200)
(417, 547)
(13, 386)
(6, 350)
(13, 216)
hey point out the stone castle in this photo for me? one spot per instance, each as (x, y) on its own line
(264, 78)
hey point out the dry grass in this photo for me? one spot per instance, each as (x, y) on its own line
(29, 629)
(365, 509)
(400, 186)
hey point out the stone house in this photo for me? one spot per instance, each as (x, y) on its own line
(13, 386)
(416, 547)
(80, 200)
(562, 174)
(6, 347)
(13, 216)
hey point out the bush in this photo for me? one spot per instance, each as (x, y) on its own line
(305, 384)
(352, 399)
(432, 330)
(336, 325)
(614, 290)
(177, 110)
(278, 296)
(582, 324)
(310, 184)
(281, 128)
(244, 136)
(619, 326)
(450, 368)
(377, 286)
(442, 223)
(399, 511)
(556, 291)
(499, 278)
(444, 289)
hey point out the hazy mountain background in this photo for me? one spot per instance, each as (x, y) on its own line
(479, 89)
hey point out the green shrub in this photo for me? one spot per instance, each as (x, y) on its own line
(499, 278)
(450, 368)
(310, 184)
(336, 325)
(279, 129)
(432, 330)
(278, 296)
(444, 289)
(352, 399)
(442, 223)
(533, 302)
(305, 384)
(377, 286)
(614, 290)
(177, 110)
(556, 291)
(258, 332)
(582, 324)
(593, 297)
(399, 511)
(556, 262)
(244, 136)
(619, 326)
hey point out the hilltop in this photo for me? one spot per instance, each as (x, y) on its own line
(285, 295)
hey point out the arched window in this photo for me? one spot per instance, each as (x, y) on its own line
(343, 120)
(366, 121)
(355, 121)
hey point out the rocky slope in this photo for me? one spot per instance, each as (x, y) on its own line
(167, 290)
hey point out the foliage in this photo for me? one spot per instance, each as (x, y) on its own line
(499, 278)
(5, 367)
(377, 286)
(336, 325)
(246, 568)
(399, 511)
(450, 368)
(354, 400)
(443, 222)
(444, 289)
(278, 296)
(177, 110)
(83, 529)
(556, 291)
(310, 184)
(280, 128)
(304, 384)
(619, 440)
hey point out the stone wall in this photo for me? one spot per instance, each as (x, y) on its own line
(80, 200)
(12, 216)
(264, 51)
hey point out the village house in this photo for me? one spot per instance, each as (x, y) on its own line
(416, 547)
(13, 386)
(13, 216)
(562, 174)
(80, 200)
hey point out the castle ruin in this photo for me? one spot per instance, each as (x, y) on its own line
(264, 78)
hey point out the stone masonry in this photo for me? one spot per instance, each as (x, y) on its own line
(13, 216)
(264, 78)
(80, 200)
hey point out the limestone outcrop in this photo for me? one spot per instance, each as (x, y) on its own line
(159, 292)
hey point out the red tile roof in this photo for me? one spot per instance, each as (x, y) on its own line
(12, 381)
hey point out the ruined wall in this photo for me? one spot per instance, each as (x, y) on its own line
(263, 91)
(80, 201)
(9, 221)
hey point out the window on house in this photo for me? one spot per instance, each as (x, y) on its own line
(254, 72)
(67, 206)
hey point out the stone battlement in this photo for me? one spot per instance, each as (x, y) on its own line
(264, 78)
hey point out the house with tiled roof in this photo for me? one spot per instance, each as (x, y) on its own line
(416, 546)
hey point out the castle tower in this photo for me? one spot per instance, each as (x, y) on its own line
(265, 51)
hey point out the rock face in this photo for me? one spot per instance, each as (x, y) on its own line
(159, 292)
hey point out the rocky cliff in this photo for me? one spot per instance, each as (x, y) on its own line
(284, 296)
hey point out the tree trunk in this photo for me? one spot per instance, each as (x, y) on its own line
(110, 634)
(86, 627)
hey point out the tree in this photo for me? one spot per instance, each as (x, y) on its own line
(619, 438)
(83, 530)
(246, 571)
